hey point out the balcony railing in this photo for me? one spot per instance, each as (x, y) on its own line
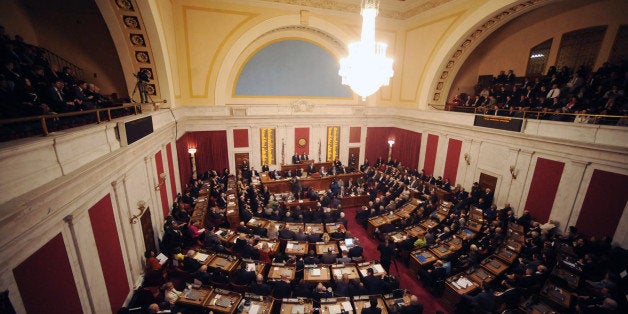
(11, 129)
(545, 115)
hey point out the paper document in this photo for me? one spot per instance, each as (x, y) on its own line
(379, 269)
(337, 273)
(254, 309)
(162, 258)
(201, 257)
(334, 309)
(316, 272)
(346, 305)
(289, 246)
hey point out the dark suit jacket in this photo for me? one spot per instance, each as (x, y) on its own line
(373, 284)
(243, 277)
(356, 251)
(282, 290)
(412, 309)
(371, 310)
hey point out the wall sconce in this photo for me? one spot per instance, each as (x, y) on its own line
(467, 159)
(513, 172)
(162, 181)
(192, 151)
(391, 142)
(141, 206)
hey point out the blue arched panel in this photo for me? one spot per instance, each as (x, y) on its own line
(291, 68)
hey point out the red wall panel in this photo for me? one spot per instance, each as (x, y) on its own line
(301, 133)
(241, 138)
(45, 280)
(543, 188)
(376, 143)
(453, 158)
(355, 134)
(430, 154)
(159, 164)
(407, 146)
(212, 153)
(603, 204)
(173, 185)
(109, 251)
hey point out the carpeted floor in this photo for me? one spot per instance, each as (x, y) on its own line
(430, 303)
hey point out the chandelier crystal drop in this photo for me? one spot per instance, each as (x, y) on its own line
(366, 68)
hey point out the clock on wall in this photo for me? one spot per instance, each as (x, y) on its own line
(301, 141)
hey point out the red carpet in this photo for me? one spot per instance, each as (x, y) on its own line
(430, 303)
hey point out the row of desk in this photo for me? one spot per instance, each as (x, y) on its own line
(228, 302)
(399, 214)
(312, 274)
(317, 183)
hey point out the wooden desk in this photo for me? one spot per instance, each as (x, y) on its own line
(316, 274)
(474, 226)
(539, 308)
(332, 227)
(378, 270)
(360, 302)
(223, 262)
(303, 306)
(429, 224)
(506, 255)
(296, 248)
(398, 236)
(335, 305)
(494, 265)
(257, 304)
(518, 237)
(321, 247)
(317, 228)
(416, 231)
(348, 269)
(514, 245)
(480, 275)
(570, 279)
(354, 200)
(214, 302)
(466, 234)
(515, 227)
(302, 203)
(204, 292)
(295, 226)
(556, 295)
(391, 301)
(343, 246)
(456, 286)
(443, 195)
(273, 245)
(421, 258)
(378, 221)
(455, 244)
(256, 266)
(258, 222)
(441, 251)
(276, 271)
(318, 184)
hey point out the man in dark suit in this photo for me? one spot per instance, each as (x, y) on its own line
(190, 264)
(374, 285)
(295, 158)
(356, 251)
(373, 309)
(310, 169)
(242, 276)
(282, 288)
(286, 233)
(259, 287)
(329, 257)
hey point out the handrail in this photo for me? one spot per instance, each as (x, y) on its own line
(530, 114)
(44, 126)
(54, 58)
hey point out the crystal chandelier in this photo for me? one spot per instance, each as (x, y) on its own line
(366, 68)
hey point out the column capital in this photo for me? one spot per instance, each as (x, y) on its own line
(68, 219)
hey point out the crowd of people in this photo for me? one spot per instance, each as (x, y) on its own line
(563, 94)
(595, 260)
(30, 85)
(389, 186)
